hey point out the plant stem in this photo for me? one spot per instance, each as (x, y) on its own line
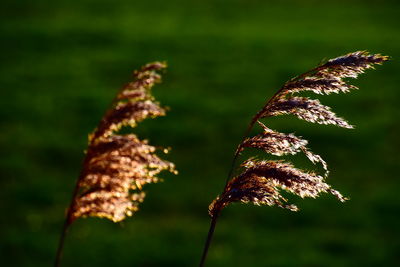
(61, 243)
(260, 114)
(67, 221)
(215, 216)
(234, 160)
(209, 237)
(239, 148)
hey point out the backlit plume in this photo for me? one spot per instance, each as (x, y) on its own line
(117, 166)
(261, 181)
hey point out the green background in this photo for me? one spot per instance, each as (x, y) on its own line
(63, 61)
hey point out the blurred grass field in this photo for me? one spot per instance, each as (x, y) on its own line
(62, 62)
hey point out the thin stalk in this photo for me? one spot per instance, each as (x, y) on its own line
(209, 238)
(234, 160)
(215, 217)
(248, 130)
(239, 148)
(261, 114)
(61, 243)
(67, 221)
(258, 116)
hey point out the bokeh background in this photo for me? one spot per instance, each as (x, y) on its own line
(63, 61)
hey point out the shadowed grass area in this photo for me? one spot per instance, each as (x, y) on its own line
(62, 62)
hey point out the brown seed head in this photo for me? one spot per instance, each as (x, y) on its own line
(262, 181)
(117, 166)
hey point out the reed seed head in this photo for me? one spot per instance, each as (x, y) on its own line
(261, 182)
(117, 166)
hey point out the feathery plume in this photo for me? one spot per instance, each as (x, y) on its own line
(350, 65)
(279, 144)
(321, 86)
(117, 166)
(275, 143)
(324, 79)
(305, 109)
(261, 181)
